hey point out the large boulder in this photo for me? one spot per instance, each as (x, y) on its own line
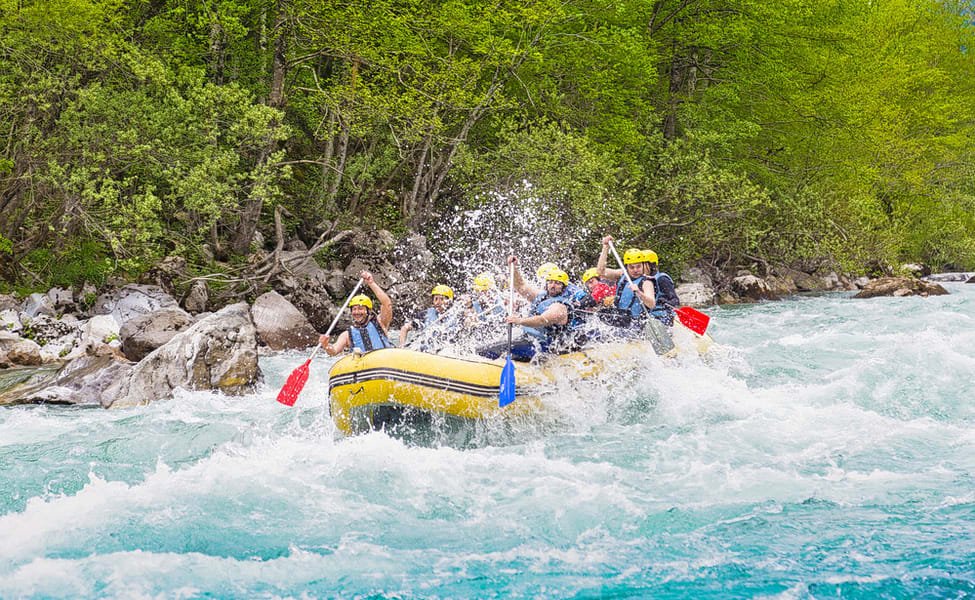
(96, 332)
(280, 325)
(781, 285)
(900, 286)
(219, 352)
(61, 298)
(804, 282)
(17, 383)
(142, 334)
(84, 380)
(133, 300)
(15, 350)
(750, 288)
(166, 273)
(695, 294)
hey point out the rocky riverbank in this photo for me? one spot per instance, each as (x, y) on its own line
(137, 342)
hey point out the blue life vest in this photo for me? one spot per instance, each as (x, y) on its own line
(664, 297)
(626, 298)
(577, 295)
(489, 312)
(430, 316)
(551, 333)
(369, 337)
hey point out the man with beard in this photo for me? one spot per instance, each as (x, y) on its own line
(550, 314)
(369, 330)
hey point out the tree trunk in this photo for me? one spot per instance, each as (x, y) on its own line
(250, 216)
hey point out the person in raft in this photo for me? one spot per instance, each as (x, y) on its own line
(665, 298)
(434, 318)
(487, 306)
(598, 293)
(369, 329)
(547, 326)
(633, 301)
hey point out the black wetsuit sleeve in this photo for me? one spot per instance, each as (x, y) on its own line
(667, 291)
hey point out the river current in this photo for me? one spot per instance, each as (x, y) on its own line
(825, 449)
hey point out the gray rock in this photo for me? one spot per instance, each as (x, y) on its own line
(949, 277)
(781, 286)
(10, 320)
(804, 282)
(698, 275)
(900, 286)
(335, 284)
(60, 298)
(16, 383)
(44, 329)
(695, 294)
(751, 288)
(18, 351)
(133, 300)
(38, 304)
(280, 325)
(81, 381)
(196, 298)
(8, 302)
(215, 353)
(142, 334)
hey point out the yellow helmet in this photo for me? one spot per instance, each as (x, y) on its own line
(542, 271)
(483, 282)
(442, 290)
(650, 256)
(559, 275)
(589, 274)
(361, 300)
(632, 256)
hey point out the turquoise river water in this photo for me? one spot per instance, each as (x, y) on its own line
(827, 449)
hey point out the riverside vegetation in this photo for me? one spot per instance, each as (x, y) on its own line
(725, 134)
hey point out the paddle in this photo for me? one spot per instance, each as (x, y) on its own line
(296, 381)
(506, 393)
(691, 318)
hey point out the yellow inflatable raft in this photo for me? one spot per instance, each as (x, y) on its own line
(402, 388)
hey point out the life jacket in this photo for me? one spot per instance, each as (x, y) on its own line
(489, 311)
(665, 300)
(370, 336)
(430, 317)
(626, 298)
(553, 333)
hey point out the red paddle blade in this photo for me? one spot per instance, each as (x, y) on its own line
(292, 387)
(693, 319)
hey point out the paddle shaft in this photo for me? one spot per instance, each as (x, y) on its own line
(620, 262)
(511, 301)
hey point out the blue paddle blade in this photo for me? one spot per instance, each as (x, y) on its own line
(507, 394)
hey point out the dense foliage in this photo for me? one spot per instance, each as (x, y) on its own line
(726, 131)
